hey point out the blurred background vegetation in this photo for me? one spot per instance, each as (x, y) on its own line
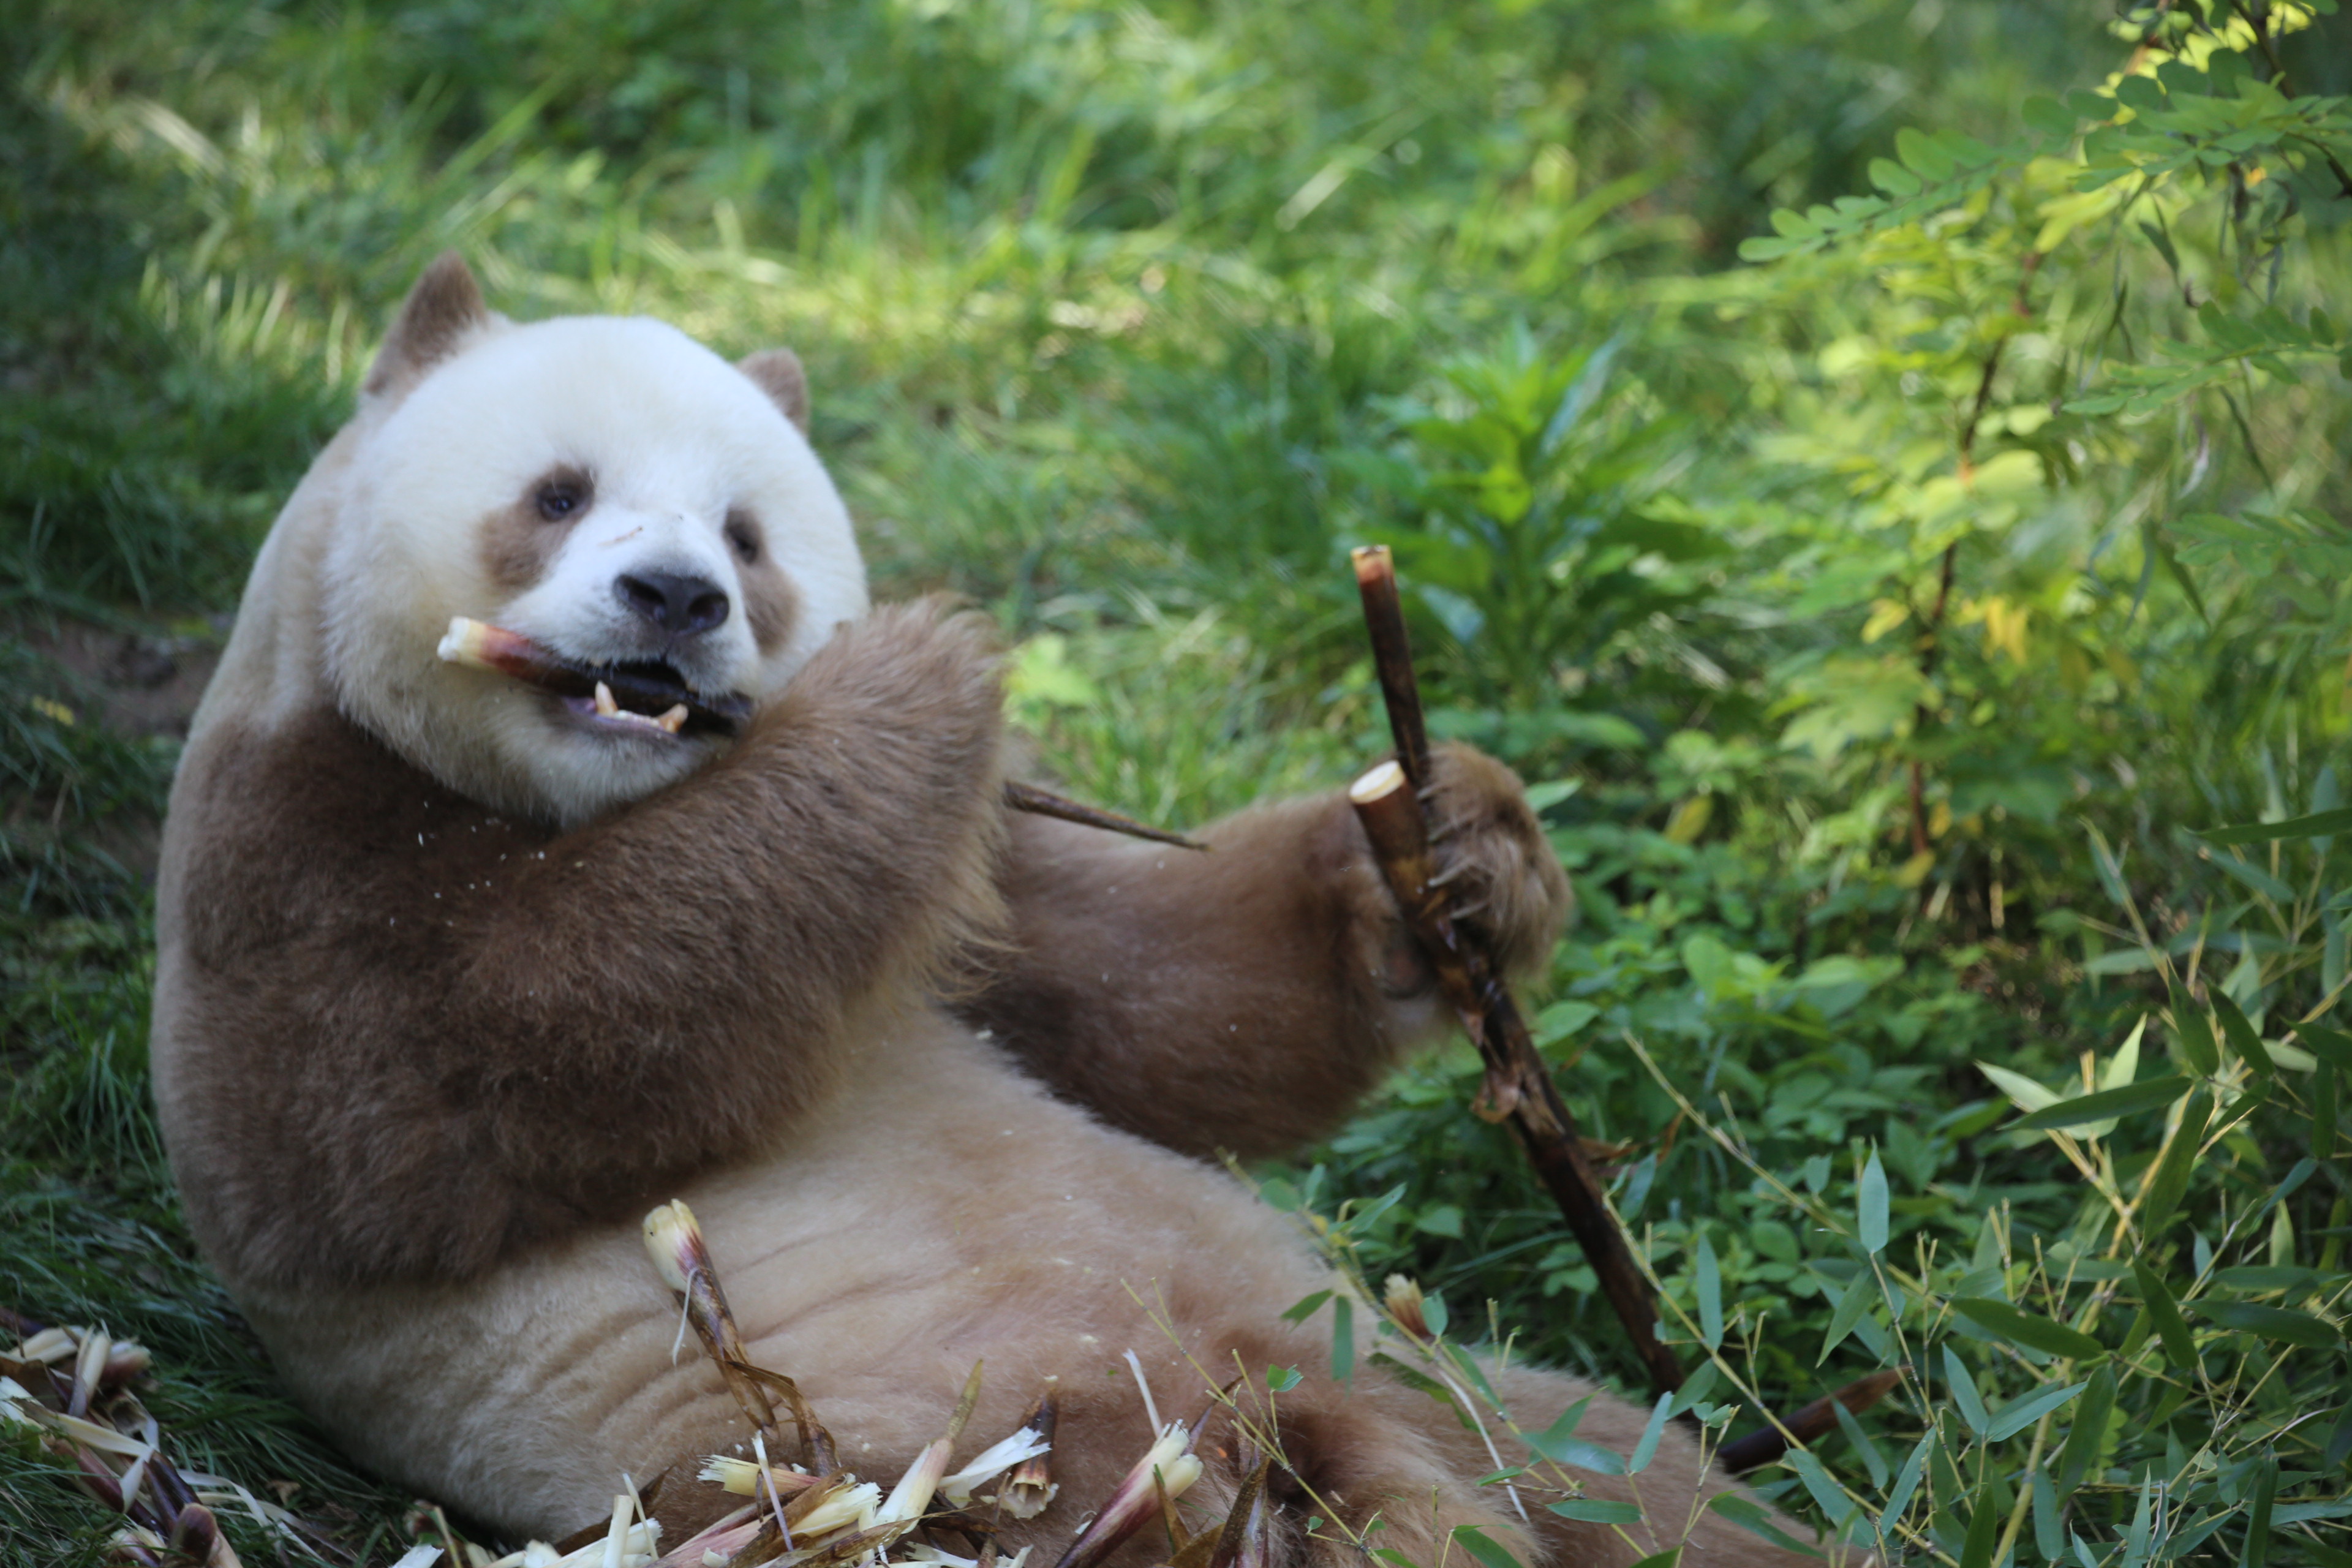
(1876, 468)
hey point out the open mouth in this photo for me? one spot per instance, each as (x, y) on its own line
(639, 695)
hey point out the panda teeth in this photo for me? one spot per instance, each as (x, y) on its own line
(605, 706)
(673, 720)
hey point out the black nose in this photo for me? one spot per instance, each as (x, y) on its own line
(682, 606)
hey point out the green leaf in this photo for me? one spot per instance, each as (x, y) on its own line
(2089, 1431)
(1710, 1296)
(2318, 825)
(1586, 1456)
(2022, 1412)
(1826, 1493)
(1851, 1306)
(1597, 1511)
(1984, 1531)
(1965, 1397)
(1489, 1552)
(1893, 178)
(2330, 1045)
(1343, 1339)
(1306, 1308)
(1671, 1556)
(2323, 1112)
(1922, 154)
(1870, 1205)
(2027, 1328)
(2170, 1181)
(1281, 1379)
(2258, 1517)
(2171, 1328)
(1750, 1515)
(2048, 116)
(1548, 1441)
(2196, 1034)
(2243, 1041)
(2279, 1324)
(1906, 1482)
(2107, 1103)
(1647, 1448)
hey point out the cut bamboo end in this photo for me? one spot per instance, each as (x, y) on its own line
(1378, 784)
(1373, 563)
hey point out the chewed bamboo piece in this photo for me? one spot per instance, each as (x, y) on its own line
(631, 692)
(639, 690)
(834, 1518)
(1167, 1470)
(71, 1387)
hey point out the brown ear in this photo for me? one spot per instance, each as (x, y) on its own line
(441, 311)
(779, 375)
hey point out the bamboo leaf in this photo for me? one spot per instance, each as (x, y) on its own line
(2258, 1517)
(2089, 1431)
(1871, 1207)
(2318, 825)
(1984, 1531)
(2027, 1328)
(1710, 1296)
(1848, 1313)
(2171, 1328)
(1548, 1441)
(2196, 1034)
(1965, 1397)
(1343, 1339)
(2128, 1100)
(1750, 1515)
(2018, 1414)
(1647, 1448)
(2282, 1325)
(1488, 1551)
(2246, 1044)
(2170, 1179)
(1906, 1482)
(1597, 1511)
(1831, 1499)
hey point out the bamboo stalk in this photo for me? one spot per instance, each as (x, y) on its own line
(1039, 802)
(1518, 1089)
(1518, 1086)
(1815, 1420)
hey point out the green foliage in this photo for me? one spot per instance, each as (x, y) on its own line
(1926, 639)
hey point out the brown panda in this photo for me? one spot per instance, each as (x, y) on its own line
(456, 978)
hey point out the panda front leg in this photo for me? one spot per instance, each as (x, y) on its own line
(1248, 998)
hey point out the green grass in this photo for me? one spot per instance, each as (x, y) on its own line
(1126, 324)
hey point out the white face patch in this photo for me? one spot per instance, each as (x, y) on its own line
(591, 483)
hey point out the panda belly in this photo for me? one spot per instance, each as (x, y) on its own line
(942, 1210)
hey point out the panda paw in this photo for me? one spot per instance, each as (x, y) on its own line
(1505, 884)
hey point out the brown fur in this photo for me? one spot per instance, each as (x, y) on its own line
(779, 375)
(1246, 999)
(768, 601)
(603, 1011)
(421, 1068)
(517, 543)
(440, 313)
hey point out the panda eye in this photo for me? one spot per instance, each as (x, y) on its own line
(560, 497)
(743, 537)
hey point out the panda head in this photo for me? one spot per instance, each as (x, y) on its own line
(604, 486)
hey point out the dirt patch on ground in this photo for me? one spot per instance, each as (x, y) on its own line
(144, 683)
